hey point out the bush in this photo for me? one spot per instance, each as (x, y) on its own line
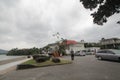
(28, 56)
(41, 58)
(56, 60)
(35, 56)
(24, 66)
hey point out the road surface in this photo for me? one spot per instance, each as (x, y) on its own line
(82, 68)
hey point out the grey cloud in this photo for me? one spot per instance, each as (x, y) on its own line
(98, 32)
(9, 3)
(32, 23)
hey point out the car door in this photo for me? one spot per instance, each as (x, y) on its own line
(102, 54)
(111, 55)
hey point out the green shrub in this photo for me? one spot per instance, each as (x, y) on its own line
(56, 60)
(25, 66)
(41, 58)
(28, 56)
(35, 56)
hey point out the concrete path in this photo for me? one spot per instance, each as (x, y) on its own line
(11, 66)
(82, 68)
(2, 62)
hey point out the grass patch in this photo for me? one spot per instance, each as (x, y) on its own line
(47, 63)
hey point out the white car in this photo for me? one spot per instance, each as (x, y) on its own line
(80, 53)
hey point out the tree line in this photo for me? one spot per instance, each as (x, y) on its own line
(19, 52)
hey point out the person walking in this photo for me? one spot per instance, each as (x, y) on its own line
(72, 55)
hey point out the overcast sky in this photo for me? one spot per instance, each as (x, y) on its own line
(29, 23)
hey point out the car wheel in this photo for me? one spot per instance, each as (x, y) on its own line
(99, 58)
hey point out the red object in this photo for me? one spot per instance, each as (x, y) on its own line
(68, 42)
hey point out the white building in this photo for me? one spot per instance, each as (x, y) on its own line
(73, 45)
(95, 49)
(53, 46)
(76, 47)
(70, 45)
(111, 43)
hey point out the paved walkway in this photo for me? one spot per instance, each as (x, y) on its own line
(11, 66)
(83, 68)
(2, 62)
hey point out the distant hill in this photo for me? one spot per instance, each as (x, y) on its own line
(3, 51)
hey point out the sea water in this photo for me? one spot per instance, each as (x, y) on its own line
(5, 57)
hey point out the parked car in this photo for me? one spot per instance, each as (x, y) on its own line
(110, 54)
(87, 52)
(80, 53)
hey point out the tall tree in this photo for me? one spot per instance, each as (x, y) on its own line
(105, 9)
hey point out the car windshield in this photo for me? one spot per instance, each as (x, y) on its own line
(116, 51)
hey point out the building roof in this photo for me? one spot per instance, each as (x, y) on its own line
(68, 42)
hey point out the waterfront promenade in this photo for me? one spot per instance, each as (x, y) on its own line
(2, 62)
(10, 64)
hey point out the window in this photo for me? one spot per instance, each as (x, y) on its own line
(102, 52)
(110, 52)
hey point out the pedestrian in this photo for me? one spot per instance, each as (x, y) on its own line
(72, 55)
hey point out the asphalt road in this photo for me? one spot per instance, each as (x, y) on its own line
(82, 68)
